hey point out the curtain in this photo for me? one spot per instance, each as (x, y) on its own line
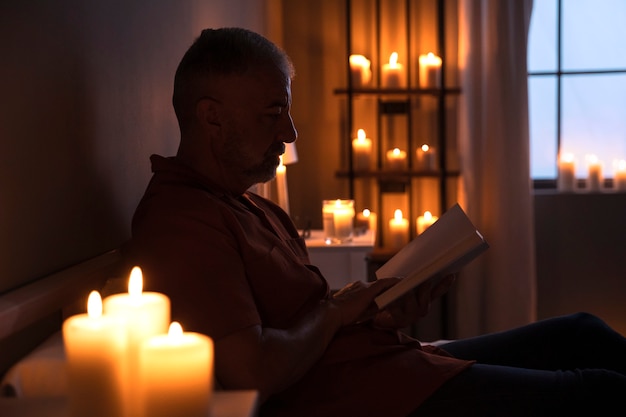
(498, 290)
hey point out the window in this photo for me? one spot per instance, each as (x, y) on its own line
(577, 84)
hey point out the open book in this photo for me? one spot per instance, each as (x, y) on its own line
(447, 245)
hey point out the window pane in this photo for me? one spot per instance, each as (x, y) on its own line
(542, 40)
(542, 119)
(593, 34)
(593, 119)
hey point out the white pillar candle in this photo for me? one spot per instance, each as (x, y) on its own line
(96, 351)
(338, 220)
(176, 374)
(398, 230)
(396, 159)
(566, 180)
(343, 218)
(429, 71)
(145, 314)
(425, 221)
(619, 178)
(281, 186)
(360, 71)
(426, 158)
(393, 72)
(595, 180)
(362, 151)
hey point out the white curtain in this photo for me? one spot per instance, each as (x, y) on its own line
(498, 290)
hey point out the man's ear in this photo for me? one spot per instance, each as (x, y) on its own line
(207, 112)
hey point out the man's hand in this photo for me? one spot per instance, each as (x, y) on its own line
(355, 301)
(413, 305)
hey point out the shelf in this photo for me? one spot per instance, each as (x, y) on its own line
(398, 91)
(386, 175)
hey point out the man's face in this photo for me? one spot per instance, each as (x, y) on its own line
(256, 123)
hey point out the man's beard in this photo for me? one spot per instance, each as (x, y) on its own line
(263, 171)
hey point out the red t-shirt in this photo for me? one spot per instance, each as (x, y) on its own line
(230, 263)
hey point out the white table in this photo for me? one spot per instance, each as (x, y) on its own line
(341, 263)
(225, 404)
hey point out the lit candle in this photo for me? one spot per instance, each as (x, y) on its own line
(362, 151)
(619, 178)
(425, 221)
(338, 220)
(396, 159)
(398, 230)
(145, 314)
(176, 374)
(343, 218)
(567, 172)
(594, 176)
(96, 351)
(281, 186)
(426, 158)
(360, 71)
(429, 71)
(393, 72)
(366, 220)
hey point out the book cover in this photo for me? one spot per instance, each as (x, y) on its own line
(445, 247)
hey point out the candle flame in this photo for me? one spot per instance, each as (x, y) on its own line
(397, 214)
(94, 304)
(366, 212)
(425, 147)
(338, 203)
(396, 151)
(620, 165)
(592, 159)
(428, 215)
(360, 134)
(393, 59)
(135, 283)
(175, 331)
(567, 157)
(360, 60)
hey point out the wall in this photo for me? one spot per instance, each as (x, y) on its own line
(581, 255)
(86, 91)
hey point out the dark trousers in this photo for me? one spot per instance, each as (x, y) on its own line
(572, 365)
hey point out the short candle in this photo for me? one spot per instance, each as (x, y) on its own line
(393, 72)
(567, 173)
(426, 158)
(594, 168)
(425, 221)
(360, 70)
(396, 159)
(619, 178)
(176, 374)
(398, 230)
(429, 71)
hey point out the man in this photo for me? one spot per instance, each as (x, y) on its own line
(236, 269)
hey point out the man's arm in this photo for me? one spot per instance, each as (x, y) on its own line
(270, 360)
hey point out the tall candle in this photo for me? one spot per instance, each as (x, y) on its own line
(144, 314)
(396, 159)
(595, 179)
(425, 221)
(619, 178)
(360, 70)
(362, 151)
(176, 374)
(96, 351)
(281, 186)
(429, 71)
(393, 72)
(426, 158)
(398, 230)
(567, 173)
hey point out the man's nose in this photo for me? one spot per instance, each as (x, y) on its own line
(288, 132)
